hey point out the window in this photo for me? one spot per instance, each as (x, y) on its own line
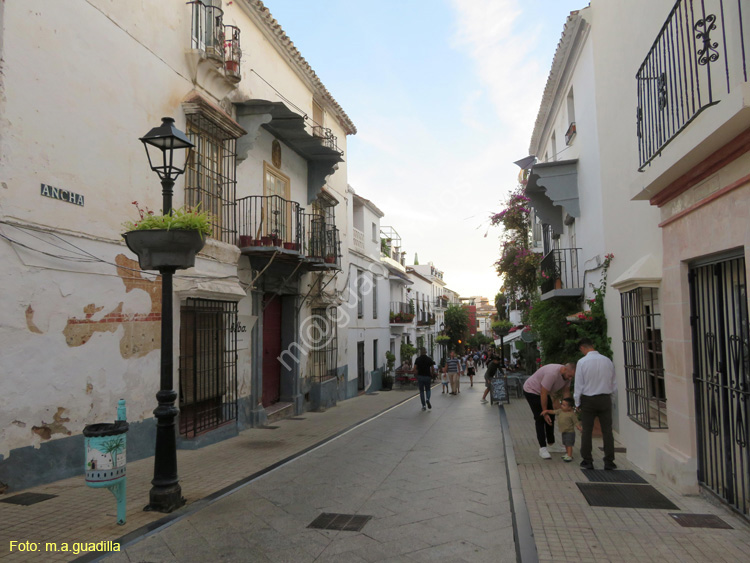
(317, 119)
(324, 343)
(374, 296)
(554, 147)
(571, 132)
(360, 294)
(207, 28)
(644, 367)
(210, 174)
(276, 212)
(375, 354)
(208, 365)
(375, 232)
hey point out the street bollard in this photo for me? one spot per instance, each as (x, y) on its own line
(105, 457)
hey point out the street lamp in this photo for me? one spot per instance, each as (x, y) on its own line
(166, 493)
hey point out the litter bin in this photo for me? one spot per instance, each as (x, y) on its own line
(106, 445)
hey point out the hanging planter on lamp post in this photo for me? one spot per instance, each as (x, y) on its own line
(187, 228)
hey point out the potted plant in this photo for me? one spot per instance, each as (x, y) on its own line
(245, 240)
(167, 241)
(388, 377)
(330, 259)
(502, 328)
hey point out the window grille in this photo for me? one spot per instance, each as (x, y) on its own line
(210, 175)
(360, 294)
(374, 296)
(644, 367)
(323, 343)
(208, 365)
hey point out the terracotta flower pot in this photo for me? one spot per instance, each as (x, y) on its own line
(266, 241)
(291, 246)
(246, 240)
(330, 259)
(157, 249)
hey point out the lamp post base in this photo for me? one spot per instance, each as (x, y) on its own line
(165, 499)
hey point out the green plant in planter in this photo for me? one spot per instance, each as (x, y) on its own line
(182, 219)
(502, 328)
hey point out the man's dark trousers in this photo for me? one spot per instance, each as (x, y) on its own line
(593, 406)
(425, 387)
(545, 433)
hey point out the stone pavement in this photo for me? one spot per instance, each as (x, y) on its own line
(83, 514)
(434, 483)
(566, 528)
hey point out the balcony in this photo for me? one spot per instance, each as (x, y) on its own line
(358, 240)
(212, 41)
(321, 244)
(401, 313)
(441, 302)
(560, 274)
(270, 224)
(699, 57)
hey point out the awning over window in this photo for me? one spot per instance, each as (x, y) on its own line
(552, 186)
(291, 129)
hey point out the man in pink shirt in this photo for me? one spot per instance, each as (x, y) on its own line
(538, 391)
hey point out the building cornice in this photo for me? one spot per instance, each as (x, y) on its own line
(273, 31)
(574, 32)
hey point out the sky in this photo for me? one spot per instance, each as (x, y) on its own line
(444, 95)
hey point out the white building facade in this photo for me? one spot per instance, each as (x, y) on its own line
(268, 164)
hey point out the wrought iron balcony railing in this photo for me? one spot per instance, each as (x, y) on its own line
(401, 313)
(559, 270)
(320, 241)
(699, 55)
(232, 52)
(269, 221)
(326, 136)
(219, 42)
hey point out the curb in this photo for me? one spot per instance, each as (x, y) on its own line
(523, 533)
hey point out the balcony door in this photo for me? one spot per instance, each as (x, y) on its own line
(276, 214)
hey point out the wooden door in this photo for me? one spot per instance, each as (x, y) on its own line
(271, 349)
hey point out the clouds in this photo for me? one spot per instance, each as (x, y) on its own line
(444, 96)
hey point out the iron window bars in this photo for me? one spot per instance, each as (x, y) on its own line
(320, 238)
(210, 175)
(721, 377)
(644, 365)
(323, 357)
(697, 56)
(208, 365)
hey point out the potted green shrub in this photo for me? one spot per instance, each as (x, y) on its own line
(388, 377)
(167, 241)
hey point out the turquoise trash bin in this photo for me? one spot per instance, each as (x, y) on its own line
(106, 446)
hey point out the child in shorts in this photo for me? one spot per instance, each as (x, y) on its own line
(567, 422)
(444, 379)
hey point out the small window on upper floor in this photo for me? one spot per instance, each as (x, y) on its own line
(374, 233)
(554, 146)
(571, 132)
(317, 117)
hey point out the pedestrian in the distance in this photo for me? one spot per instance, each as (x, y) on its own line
(423, 369)
(470, 370)
(444, 379)
(538, 391)
(453, 365)
(595, 384)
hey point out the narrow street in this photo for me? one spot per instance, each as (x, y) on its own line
(434, 483)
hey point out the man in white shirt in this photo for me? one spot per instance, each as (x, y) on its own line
(595, 384)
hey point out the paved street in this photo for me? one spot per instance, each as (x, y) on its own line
(434, 483)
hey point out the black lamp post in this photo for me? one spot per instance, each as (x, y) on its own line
(166, 494)
(442, 333)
